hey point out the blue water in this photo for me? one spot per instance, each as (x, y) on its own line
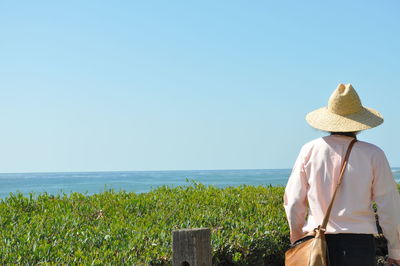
(138, 181)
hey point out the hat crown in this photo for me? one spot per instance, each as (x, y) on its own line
(344, 100)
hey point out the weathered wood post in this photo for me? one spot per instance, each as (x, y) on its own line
(191, 247)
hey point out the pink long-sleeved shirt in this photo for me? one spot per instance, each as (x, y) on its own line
(367, 178)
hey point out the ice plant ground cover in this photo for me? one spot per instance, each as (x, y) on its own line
(248, 225)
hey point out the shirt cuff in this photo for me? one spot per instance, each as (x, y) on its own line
(394, 254)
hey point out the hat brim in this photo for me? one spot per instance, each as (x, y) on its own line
(325, 120)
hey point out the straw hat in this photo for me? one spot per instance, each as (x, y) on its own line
(344, 113)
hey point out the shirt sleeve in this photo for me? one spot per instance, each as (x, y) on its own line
(387, 199)
(295, 199)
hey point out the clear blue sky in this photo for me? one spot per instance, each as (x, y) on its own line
(159, 85)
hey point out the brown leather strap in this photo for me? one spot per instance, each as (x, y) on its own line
(344, 164)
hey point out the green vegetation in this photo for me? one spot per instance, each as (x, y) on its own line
(248, 226)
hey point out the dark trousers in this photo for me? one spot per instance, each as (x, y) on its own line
(351, 249)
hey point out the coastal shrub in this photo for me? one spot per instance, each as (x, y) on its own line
(248, 225)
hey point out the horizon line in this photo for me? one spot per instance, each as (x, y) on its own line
(170, 170)
(121, 171)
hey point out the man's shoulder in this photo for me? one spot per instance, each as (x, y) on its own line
(369, 147)
(332, 141)
(312, 143)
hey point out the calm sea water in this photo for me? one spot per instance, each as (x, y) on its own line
(138, 181)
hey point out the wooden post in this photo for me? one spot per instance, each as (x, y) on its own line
(191, 247)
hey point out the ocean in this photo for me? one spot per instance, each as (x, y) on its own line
(138, 181)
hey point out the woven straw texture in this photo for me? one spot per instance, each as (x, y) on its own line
(344, 113)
